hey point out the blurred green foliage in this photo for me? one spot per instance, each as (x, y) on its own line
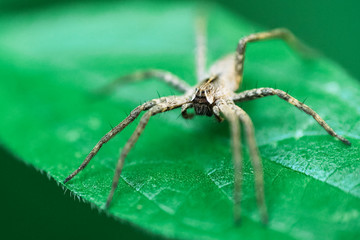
(329, 26)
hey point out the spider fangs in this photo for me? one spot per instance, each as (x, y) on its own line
(212, 96)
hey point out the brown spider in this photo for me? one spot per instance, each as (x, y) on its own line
(213, 95)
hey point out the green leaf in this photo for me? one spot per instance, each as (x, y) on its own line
(178, 180)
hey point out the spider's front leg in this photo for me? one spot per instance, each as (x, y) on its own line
(255, 159)
(167, 104)
(230, 115)
(113, 132)
(234, 113)
(129, 119)
(263, 92)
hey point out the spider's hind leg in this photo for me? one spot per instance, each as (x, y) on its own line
(200, 56)
(162, 75)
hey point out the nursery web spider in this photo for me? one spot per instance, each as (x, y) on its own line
(214, 94)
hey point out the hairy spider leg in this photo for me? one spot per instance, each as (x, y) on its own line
(230, 115)
(170, 103)
(162, 75)
(280, 33)
(255, 160)
(129, 119)
(264, 92)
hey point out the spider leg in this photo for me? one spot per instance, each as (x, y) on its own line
(255, 160)
(279, 33)
(230, 115)
(200, 56)
(184, 109)
(129, 119)
(263, 92)
(170, 103)
(216, 112)
(161, 75)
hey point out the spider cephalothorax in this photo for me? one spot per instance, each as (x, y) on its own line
(204, 97)
(213, 96)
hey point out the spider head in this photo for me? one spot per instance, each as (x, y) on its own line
(203, 98)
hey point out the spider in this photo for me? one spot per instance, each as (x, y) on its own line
(213, 95)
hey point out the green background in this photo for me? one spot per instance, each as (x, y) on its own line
(331, 28)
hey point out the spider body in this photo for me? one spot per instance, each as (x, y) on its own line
(213, 95)
(220, 85)
(204, 96)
